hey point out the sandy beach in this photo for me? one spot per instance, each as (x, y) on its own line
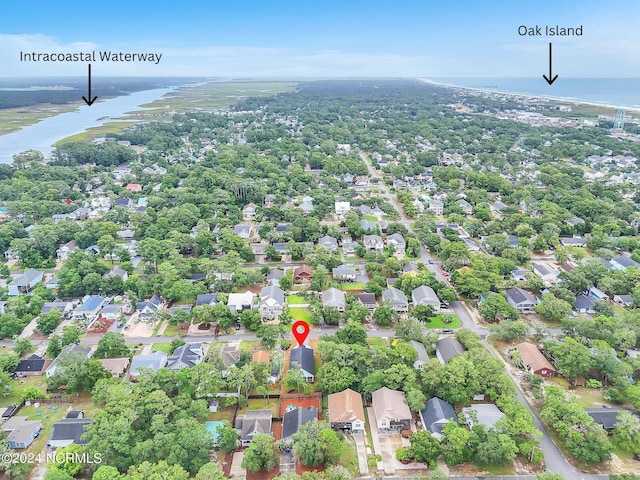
(563, 100)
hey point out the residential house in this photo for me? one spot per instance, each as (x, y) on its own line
(230, 355)
(70, 353)
(271, 302)
(486, 414)
(598, 294)
(3, 307)
(472, 246)
(239, 302)
(348, 246)
(574, 221)
(124, 202)
(368, 225)
(373, 243)
(268, 200)
(423, 356)
(206, 299)
(397, 242)
(134, 187)
(534, 361)
(520, 274)
(69, 430)
(65, 250)
(334, 298)
(274, 276)
(302, 358)
(303, 274)
(391, 410)
(151, 307)
(90, 308)
(436, 414)
(153, 362)
(397, 298)
(623, 262)
(521, 300)
(119, 272)
(251, 423)
(436, 207)
(19, 431)
(447, 348)
(465, 206)
(249, 212)
(346, 412)
(32, 366)
(344, 273)
(185, 356)
(607, 418)
(584, 304)
(548, 274)
(62, 306)
(425, 295)
(368, 300)
(261, 356)
(575, 241)
(294, 419)
(342, 208)
(180, 308)
(24, 284)
(410, 268)
(623, 300)
(243, 230)
(115, 366)
(330, 243)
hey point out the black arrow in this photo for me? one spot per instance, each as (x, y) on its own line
(89, 102)
(550, 79)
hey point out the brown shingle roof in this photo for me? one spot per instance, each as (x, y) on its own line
(260, 356)
(532, 357)
(345, 406)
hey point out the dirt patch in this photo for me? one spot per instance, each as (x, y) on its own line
(262, 475)
(300, 401)
(100, 326)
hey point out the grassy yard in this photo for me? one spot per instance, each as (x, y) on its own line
(174, 331)
(347, 286)
(349, 457)
(495, 469)
(436, 322)
(296, 300)
(259, 404)
(247, 345)
(300, 314)
(19, 386)
(376, 342)
(222, 414)
(163, 347)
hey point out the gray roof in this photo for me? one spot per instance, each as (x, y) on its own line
(448, 348)
(423, 356)
(333, 298)
(487, 414)
(607, 418)
(519, 295)
(328, 242)
(584, 302)
(70, 429)
(120, 272)
(26, 278)
(436, 414)
(366, 298)
(272, 292)
(206, 299)
(424, 295)
(343, 270)
(395, 296)
(625, 261)
(243, 230)
(396, 238)
(186, 356)
(230, 355)
(368, 225)
(155, 362)
(253, 422)
(303, 356)
(294, 419)
(275, 274)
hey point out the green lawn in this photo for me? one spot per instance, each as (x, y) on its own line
(260, 404)
(245, 345)
(436, 322)
(296, 300)
(19, 386)
(376, 342)
(163, 347)
(371, 218)
(348, 286)
(174, 331)
(349, 457)
(496, 469)
(300, 314)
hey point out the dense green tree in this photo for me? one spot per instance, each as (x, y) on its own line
(316, 444)
(261, 455)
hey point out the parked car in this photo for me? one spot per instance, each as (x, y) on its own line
(447, 330)
(119, 325)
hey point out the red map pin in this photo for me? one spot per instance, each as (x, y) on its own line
(300, 330)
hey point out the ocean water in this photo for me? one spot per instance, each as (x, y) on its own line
(621, 92)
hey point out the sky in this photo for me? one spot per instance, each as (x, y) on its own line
(328, 38)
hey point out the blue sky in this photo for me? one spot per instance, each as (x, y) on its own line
(276, 38)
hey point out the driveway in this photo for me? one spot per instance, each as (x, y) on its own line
(389, 444)
(362, 453)
(287, 462)
(236, 466)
